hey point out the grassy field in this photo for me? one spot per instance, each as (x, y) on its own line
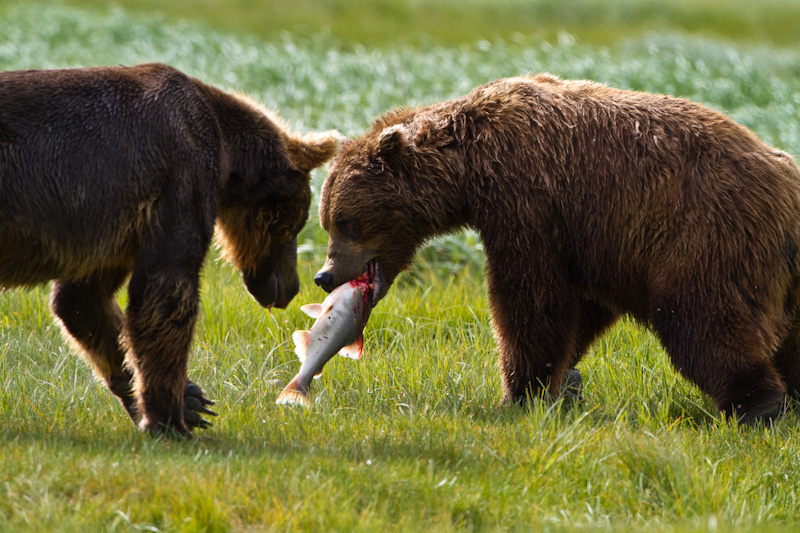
(411, 438)
(386, 22)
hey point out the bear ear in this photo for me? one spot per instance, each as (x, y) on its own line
(392, 140)
(435, 133)
(313, 149)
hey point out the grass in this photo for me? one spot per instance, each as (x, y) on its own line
(386, 23)
(411, 437)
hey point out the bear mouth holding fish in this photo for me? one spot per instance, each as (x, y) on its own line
(372, 275)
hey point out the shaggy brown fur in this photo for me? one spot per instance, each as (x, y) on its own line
(111, 173)
(591, 202)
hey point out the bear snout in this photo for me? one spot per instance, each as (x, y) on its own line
(272, 290)
(325, 280)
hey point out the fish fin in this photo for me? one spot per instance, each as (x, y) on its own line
(291, 395)
(312, 310)
(300, 338)
(354, 349)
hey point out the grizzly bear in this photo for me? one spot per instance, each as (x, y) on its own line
(110, 174)
(591, 202)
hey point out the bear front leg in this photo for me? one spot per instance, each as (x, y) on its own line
(535, 321)
(162, 312)
(91, 319)
(593, 320)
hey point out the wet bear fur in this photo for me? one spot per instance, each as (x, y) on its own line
(592, 202)
(123, 173)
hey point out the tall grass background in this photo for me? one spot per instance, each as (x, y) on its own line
(412, 436)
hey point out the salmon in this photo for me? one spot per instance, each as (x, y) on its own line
(339, 327)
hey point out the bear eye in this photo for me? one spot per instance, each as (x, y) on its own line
(376, 165)
(350, 227)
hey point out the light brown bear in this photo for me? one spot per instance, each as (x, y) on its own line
(110, 174)
(591, 202)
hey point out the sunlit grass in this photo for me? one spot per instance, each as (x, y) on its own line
(411, 437)
(386, 23)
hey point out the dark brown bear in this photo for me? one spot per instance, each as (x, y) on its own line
(591, 202)
(115, 173)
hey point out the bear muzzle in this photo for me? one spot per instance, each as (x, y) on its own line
(325, 280)
(371, 272)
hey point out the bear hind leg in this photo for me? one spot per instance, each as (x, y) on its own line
(787, 361)
(721, 353)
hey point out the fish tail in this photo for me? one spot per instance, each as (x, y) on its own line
(293, 395)
(300, 338)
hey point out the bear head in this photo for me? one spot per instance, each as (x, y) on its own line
(385, 194)
(257, 225)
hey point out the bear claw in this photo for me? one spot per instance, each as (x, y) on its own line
(194, 404)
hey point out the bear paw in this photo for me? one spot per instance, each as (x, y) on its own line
(194, 399)
(572, 387)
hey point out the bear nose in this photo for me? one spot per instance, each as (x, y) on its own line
(324, 280)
